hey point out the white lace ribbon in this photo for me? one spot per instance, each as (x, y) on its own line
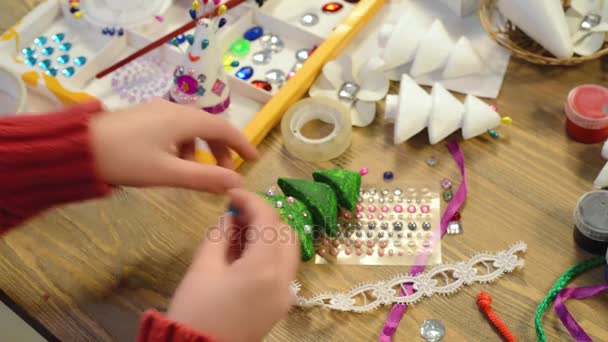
(442, 279)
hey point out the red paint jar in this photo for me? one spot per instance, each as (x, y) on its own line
(587, 114)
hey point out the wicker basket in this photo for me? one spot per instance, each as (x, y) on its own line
(522, 46)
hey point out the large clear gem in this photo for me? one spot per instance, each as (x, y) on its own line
(348, 91)
(272, 42)
(455, 228)
(432, 330)
(262, 57)
(302, 55)
(275, 76)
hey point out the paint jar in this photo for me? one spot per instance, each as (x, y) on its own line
(591, 222)
(13, 93)
(587, 114)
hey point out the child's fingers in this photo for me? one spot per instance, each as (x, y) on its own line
(195, 176)
(222, 154)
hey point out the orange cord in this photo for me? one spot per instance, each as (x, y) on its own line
(484, 301)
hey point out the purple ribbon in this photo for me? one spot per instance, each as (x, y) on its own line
(564, 315)
(398, 310)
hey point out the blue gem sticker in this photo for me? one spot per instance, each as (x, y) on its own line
(80, 61)
(30, 61)
(65, 47)
(47, 51)
(245, 73)
(52, 72)
(200, 91)
(63, 59)
(68, 72)
(58, 38)
(28, 52)
(204, 44)
(40, 41)
(254, 33)
(45, 64)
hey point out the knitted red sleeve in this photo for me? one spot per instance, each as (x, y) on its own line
(46, 160)
(156, 328)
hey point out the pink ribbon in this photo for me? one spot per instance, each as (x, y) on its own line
(398, 310)
(564, 315)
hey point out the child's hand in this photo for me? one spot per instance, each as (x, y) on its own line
(237, 287)
(143, 146)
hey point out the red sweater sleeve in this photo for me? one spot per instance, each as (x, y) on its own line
(156, 328)
(46, 160)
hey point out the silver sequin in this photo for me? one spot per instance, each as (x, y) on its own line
(276, 76)
(432, 330)
(349, 91)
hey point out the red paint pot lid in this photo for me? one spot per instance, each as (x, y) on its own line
(587, 106)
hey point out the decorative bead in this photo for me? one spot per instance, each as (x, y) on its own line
(398, 208)
(335, 243)
(493, 133)
(370, 252)
(307, 229)
(263, 57)
(302, 55)
(77, 15)
(348, 216)
(333, 251)
(385, 209)
(456, 216)
(372, 208)
(359, 216)
(371, 225)
(397, 225)
(359, 207)
(397, 192)
(411, 209)
(380, 235)
(348, 91)
(370, 200)
(384, 225)
(290, 217)
(388, 176)
(454, 228)
(432, 161)
(425, 209)
(370, 235)
(506, 121)
(358, 252)
(253, 33)
(380, 217)
(412, 226)
(383, 244)
(347, 251)
(364, 171)
(426, 244)
(276, 76)
(380, 253)
(270, 193)
(432, 330)
(448, 196)
(278, 204)
(372, 192)
(272, 42)
(347, 242)
(426, 225)
(370, 243)
(291, 200)
(332, 7)
(304, 214)
(358, 243)
(446, 184)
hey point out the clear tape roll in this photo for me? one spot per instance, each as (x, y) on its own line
(323, 149)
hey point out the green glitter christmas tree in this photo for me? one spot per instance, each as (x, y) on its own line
(318, 197)
(346, 185)
(296, 214)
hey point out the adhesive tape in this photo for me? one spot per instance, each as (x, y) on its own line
(323, 149)
(12, 93)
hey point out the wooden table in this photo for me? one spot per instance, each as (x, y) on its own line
(104, 262)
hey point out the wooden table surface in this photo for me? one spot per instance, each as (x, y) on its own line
(104, 262)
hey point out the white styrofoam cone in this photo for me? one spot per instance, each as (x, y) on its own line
(403, 42)
(446, 114)
(202, 68)
(384, 34)
(478, 117)
(605, 150)
(543, 20)
(602, 178)
(413, 112)
(433, 50)
(463, 60)
(391, 107)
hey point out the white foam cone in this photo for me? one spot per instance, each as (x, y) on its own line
(478, 117)
(543, 20)
(602, 179)
(201, 80)
(402, 44)
(446, 114)
(412, 113)
(463, 60)
(433, 50)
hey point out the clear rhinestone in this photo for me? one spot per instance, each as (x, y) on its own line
(275, 76)
(309, 19)
(307, 229)
(278, 204)
(397, 192)
(454, 228)
(381, 200)
(262, 57)
(384, 192)
(370, 200)
(360, 199)
(372, 192)
(432, 330)
(272, 42)
(348, 91)
(302, 55)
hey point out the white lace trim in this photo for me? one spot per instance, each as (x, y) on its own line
(482, 268)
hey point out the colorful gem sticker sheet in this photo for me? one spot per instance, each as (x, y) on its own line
(390, 226)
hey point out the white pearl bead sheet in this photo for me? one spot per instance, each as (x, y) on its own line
(391, 225)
